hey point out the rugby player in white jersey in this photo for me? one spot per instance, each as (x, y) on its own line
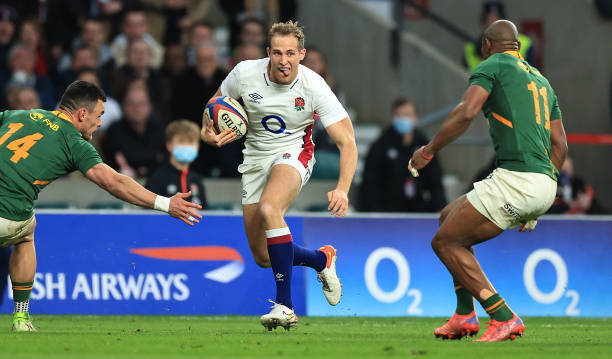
(283, 99)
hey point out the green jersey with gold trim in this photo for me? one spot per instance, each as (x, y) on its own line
(37, 147)
(519, 109)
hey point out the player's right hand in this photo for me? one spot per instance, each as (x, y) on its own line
(210, 137)
(184, 210)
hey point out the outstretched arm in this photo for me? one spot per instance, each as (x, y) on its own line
(125, 188)
(455, 124)
(344, 137)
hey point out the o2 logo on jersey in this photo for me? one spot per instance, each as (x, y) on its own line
(274, 124)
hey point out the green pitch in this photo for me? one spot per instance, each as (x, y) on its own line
(62, 336)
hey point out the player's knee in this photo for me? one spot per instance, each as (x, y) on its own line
(438, 245)
(269, 212)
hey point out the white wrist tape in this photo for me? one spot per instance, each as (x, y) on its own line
(162, 203)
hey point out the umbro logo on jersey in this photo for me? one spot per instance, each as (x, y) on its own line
(279, 277)
(255, 97)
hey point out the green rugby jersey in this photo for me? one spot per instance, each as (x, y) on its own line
(37, 147)
(519, 109)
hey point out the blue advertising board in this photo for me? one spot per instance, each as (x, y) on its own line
(150, 264)
(388, 268)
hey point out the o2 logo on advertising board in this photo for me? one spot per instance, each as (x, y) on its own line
(545, 254)
(402, 287)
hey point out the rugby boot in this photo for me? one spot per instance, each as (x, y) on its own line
(500, 331)
(330, 283)
(458, 326)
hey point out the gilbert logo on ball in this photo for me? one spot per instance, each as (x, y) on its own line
(226, 113)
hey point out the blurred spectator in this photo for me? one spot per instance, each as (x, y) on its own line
(135, 28)
(574, 195)
(113, 11)
(253, 32)
(175, 61)
(8, 19)
(21, 61)
(30, 34)
(387, 185)
(11, 91)
(134, 145)
(271, 10)
(491, 12)
(197, 84)
(95, 36)
(112, 109)
(83, 57)
(24, 9)
(200, 33)
(62, 25)
(170, 19)
(27, 99)
(139, 67)
(245, 52)
(317, 62)
(191, 91)
(182, 143)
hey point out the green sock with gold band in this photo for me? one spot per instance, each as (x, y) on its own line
(21, 295)
(496, 307)
(465, 301)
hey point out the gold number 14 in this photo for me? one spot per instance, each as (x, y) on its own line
(20, 146)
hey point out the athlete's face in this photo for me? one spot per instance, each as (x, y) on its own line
(285, 56)
(91, 121)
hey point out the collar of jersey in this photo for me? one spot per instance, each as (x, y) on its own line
(274, 84)
(514, 53)
(61, 115)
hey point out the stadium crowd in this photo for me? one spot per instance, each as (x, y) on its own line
(158, 60)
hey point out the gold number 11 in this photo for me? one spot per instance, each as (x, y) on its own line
(536, 102)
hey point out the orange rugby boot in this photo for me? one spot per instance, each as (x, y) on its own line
(458, 326)
(500, 331)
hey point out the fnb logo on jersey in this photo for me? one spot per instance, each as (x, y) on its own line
(223, 274)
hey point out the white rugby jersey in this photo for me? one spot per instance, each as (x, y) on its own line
(281, 117)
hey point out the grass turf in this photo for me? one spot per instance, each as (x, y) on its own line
(72, 336)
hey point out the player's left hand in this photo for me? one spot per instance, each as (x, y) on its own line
(184, 210)
(338, 202)
(528, 225)
(419, 161)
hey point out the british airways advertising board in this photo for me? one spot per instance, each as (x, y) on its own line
(150, 264)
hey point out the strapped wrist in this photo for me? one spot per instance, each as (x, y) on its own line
(162, 203)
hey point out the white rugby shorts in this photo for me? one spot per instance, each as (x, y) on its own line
(508, 198)
(12, 231)
(255, 171)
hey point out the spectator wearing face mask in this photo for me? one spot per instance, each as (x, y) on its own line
(387, 185)
(182, 142)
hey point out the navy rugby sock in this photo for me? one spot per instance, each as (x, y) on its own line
(312, 258)
(280, 250)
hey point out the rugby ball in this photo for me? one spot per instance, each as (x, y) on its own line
(226, 113)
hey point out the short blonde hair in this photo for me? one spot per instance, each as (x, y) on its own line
(286, 29)
(183, 128)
